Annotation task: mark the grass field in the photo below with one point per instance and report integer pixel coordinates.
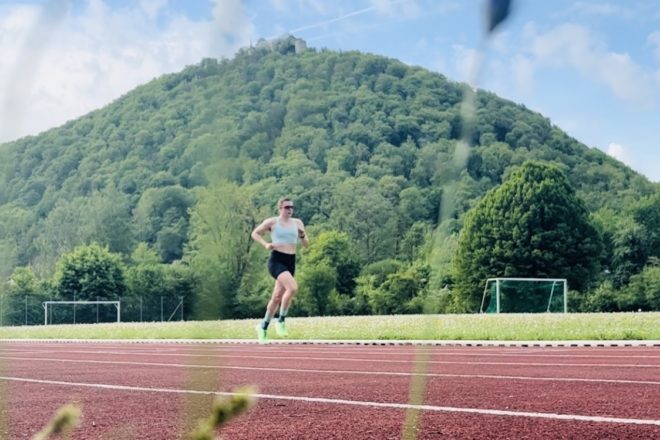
(528, 327)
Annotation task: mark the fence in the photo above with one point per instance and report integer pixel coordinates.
(17, 310)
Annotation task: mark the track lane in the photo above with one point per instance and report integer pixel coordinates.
(604, 399)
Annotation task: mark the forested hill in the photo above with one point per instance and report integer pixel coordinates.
(362, 143)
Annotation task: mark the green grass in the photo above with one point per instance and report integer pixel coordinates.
(528, 327)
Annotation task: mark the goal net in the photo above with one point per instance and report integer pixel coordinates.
(525, 295)
(81, 312)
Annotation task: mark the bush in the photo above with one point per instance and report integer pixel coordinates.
(643, 292)
(603, 299)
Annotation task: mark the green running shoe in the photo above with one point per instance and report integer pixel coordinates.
(261, 335)
(280, 327)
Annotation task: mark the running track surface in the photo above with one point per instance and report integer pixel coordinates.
(159, 391)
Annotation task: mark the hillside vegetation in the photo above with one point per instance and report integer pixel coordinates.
(166, 183)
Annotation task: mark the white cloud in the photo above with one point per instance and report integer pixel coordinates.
(575, 46)
(439, 65)
(232, 27)
(502, 41)
(289, 7)
(97, 54)
(279, 5)
(26, 35)
(523, 74)
(619, 152)
(602, 9)
(466, 63)
(654, 40)
(396, 8)
(152, 7)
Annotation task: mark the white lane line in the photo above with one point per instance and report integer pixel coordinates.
(406, 406)
(413, 351)
(422, 351)
(382, 350)
(377, 360)
(364, 342)
(221, 352)
(324, 371)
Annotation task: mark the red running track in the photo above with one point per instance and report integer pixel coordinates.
(159, 391)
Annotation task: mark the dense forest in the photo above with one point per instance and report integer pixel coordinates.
(156, 194)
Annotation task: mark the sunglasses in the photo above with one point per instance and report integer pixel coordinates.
(287, 207)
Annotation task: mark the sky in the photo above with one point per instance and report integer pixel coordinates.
(591, 66)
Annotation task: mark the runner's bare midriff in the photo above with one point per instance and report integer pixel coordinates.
(285, 248)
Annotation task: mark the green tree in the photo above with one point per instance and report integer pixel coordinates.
(389, 286)
(143, 254)
(23, 297)
(416, 242)
(15, 223)
(161, 217)
(61, 232)
(90, 272)
(108, 213)
(317, 282)
(23, 282)
(399, 288)
(602, 299)
(221, 247)
(335, 249)
(145, 285)
(329, 266)
(159, 292)
(643, 292)
(630, 251)
(369, 294)
(533, 225)
(361, 210)
(647, 213)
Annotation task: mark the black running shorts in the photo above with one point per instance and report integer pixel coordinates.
(280, 262)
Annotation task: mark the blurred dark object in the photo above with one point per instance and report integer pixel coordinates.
(497, 12)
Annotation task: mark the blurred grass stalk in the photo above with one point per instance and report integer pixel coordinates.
(416, 395)
(64, 420)
(4, 396)
(496, 12)
(224, 409)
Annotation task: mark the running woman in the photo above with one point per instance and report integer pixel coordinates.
(285, 232)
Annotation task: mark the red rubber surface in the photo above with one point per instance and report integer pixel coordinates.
(158, 391)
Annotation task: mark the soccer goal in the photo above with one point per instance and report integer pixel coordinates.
(525, 295)
(49, 305)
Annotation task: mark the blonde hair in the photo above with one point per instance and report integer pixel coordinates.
(282, 200)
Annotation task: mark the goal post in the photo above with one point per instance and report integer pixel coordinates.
(47, 304)
(525, 295)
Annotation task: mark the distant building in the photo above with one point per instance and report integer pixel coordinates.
(300, 45)
(264, 43)
(284, 44)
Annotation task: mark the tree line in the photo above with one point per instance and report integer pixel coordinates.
(532, 224)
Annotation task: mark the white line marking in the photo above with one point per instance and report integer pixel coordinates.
(406, 406)
(377, 360)
(381, 350)
(358, 372)
(360, 342)
(597, 352)
(205, 350)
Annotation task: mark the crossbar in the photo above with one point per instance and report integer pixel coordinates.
(45, 305)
